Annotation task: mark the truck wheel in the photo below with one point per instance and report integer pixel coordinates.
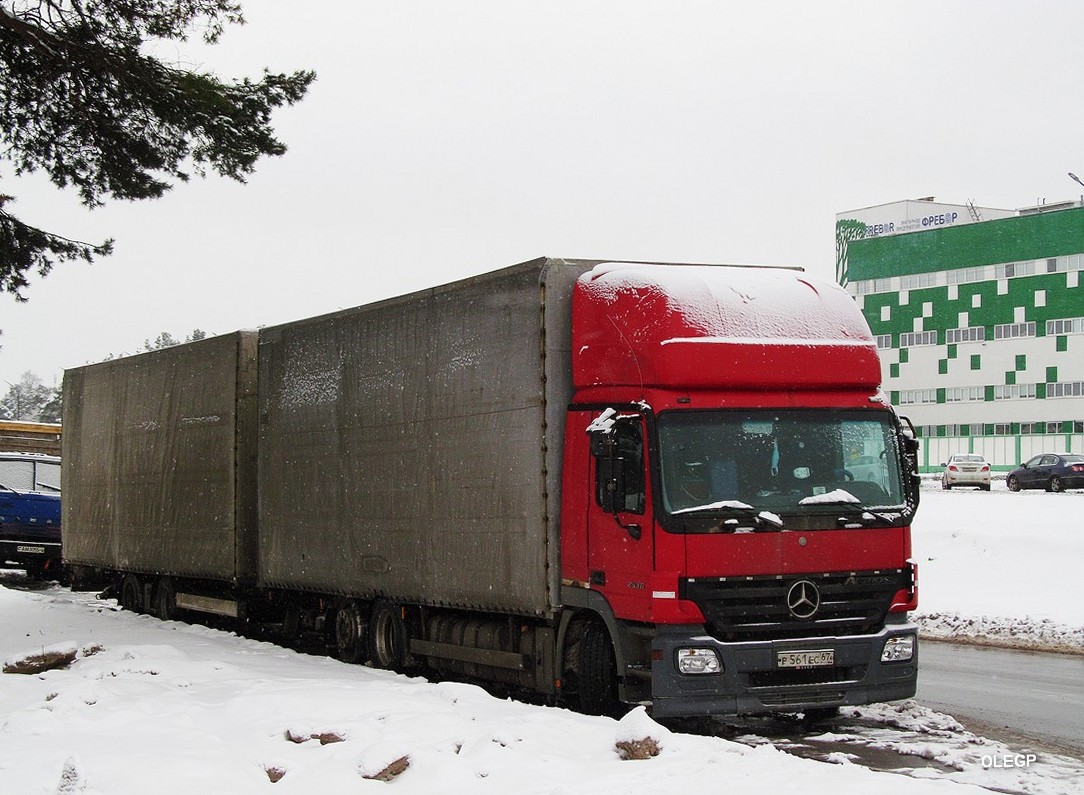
(387, 636)
(35, 571)
(597, 678)
(351, 638)
(165, 599)
(131, 594)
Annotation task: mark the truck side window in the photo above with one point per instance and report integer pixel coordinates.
(619, 471)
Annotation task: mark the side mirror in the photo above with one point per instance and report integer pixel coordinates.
(611, 475)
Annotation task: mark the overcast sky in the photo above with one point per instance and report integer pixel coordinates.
(444, 139)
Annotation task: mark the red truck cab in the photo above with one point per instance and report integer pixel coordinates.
(708, 508)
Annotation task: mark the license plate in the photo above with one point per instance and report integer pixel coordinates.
(33, 550)
(818, 658)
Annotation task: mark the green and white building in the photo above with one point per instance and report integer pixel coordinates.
(979, 316)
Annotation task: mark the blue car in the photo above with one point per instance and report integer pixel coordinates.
(30, 513)
(1050, 471)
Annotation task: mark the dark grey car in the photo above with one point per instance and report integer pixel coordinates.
(1050, 471)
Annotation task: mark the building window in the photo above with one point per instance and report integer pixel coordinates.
(1014, 391)
(912, 396)
(972, 334)
(1068, 325)
(1002, 428)
(870, 286)
(965, 275)
(960, 394)
(1008, 331)
(912, 339)
(884, 341)
(1011, 270)
(1032, 427)
(1065, 389)
(916, 281)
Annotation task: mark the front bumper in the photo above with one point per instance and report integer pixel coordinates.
(33, 553)
(751, 683)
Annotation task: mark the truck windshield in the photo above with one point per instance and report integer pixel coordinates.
(763, 465)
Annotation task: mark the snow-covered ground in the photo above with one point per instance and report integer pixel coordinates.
(1000, 567)
(165, 707)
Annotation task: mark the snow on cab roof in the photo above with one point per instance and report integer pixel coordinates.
(739, 303)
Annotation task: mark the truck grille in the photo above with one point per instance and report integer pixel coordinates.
(756, 608)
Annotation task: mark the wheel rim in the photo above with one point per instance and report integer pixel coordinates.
(387, 637)
(349, 632)
(1055, 484)
(1013, 484)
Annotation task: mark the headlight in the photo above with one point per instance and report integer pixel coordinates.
(698, 661)
(899, 649)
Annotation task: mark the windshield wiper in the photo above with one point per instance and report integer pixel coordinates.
(837, 497)
(760, 517)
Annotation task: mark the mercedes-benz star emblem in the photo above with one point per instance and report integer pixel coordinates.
(803, 599)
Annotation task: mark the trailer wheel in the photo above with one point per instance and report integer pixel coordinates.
(351, 638)
(131, 594)
(597, 678)
(165, 599)
(387, 636)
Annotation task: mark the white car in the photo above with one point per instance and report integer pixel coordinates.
(868, 468)
(966, 469)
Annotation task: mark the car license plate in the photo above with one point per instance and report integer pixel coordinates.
(34, 550)
(817, 658)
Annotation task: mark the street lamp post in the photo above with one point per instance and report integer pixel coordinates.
(1076, 179)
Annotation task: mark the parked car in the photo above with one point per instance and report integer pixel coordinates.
(1050, 471)
(869, 468)
(966, 469)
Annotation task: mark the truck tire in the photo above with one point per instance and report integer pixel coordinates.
(131, 594)
(351, 633)
(597, 676)
(165, 599)
(387, 636)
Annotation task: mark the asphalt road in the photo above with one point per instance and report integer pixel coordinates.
(1022, 696)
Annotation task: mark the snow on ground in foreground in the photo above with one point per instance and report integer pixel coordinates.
(164, 707)
(999, 566)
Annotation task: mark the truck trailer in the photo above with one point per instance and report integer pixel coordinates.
(601, 483)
